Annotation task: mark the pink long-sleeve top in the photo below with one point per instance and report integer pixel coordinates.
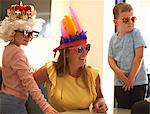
(17, 78)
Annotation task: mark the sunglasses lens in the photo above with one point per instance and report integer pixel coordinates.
(80, 49)
(125, 20)
(35, 34)
(88, 47)
(133, 19)
(25, 33)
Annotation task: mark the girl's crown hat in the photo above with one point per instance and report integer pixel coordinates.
(22, 17)
(72, 32)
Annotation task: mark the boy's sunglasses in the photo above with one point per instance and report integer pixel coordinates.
(81, 48)
(33, 34)
(126, 20)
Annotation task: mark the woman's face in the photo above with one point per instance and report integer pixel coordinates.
(77, 54)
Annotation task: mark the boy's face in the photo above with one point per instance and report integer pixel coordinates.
(125, 22)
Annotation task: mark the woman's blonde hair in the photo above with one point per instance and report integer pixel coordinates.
(59, 66)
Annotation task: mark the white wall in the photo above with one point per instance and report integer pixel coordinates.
(108, 76)
(58, 9)
(90, 13)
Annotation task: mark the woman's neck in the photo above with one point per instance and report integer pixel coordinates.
(74, 71)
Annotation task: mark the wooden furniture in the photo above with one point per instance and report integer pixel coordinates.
(114, 111)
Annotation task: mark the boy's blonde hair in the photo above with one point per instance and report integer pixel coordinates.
(121, 7)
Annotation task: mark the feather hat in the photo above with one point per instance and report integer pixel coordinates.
(71, 31)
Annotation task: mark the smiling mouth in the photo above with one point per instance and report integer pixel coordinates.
(26, 40)
(82, 58)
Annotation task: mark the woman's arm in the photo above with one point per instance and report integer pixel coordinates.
(99, 104)
(98, 88)
(41, 75)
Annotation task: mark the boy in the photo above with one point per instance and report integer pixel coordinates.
(125, 57)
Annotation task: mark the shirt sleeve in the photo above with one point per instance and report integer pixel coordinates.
(138, 39)
(21, 66)
(94, 73)
(52, 77)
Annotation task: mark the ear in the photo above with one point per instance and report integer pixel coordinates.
(31, 39)
(115, 21)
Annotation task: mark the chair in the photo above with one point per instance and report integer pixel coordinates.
(141, 107)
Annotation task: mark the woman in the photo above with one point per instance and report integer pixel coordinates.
(72, 85)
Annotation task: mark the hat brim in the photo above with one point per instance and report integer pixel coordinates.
(70, 44)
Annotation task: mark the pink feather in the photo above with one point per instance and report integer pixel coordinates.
(75, 18)
(63, 31)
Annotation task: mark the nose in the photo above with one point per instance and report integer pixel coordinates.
(85, 52)
(29, 37)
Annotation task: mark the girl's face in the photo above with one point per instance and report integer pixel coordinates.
(77, 55)
(125, 22)
(24, 37)
(21, 39)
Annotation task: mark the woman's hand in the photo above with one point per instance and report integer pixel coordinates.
(100, 105)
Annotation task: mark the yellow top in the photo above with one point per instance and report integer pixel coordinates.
(69, 93)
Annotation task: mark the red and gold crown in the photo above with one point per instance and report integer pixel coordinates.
(19, 17)
(21, 11)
